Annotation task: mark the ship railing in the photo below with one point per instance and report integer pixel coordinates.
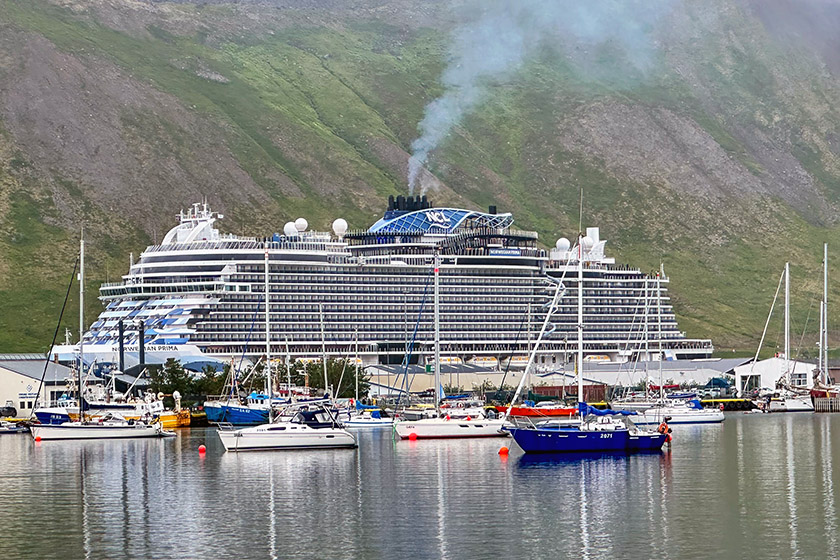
(310, 240)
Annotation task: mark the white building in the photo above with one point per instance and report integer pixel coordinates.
(20, 377)
(767, 373)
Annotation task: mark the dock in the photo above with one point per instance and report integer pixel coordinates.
(826, 404)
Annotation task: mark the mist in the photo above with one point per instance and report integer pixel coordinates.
(498, 36)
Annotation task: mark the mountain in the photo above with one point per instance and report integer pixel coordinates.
(718, 154)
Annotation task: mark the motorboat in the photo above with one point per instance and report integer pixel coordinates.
(299, 427)
(12, 428)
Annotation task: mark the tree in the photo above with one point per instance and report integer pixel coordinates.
(337, 371)
(172, 377)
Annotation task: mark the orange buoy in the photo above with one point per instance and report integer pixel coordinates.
(202, 449)
(504, 451)
(412, 436)
(38, 438)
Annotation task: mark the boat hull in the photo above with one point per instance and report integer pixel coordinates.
(235, 414)
(439, 428)
(539, 412)
(574, 440)
(266, 438)
(172, 419)
(792, 404)
(708, 416)
(73, 430)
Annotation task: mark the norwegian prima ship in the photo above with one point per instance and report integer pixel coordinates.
(199, 295)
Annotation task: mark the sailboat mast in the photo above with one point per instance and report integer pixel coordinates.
(787, 323)
(356, 363)
(659, 330)
(324, 349)
(437, 332)
(580, 321)
(81, 320)
(824, 342)
(289, 371)
(268, 385)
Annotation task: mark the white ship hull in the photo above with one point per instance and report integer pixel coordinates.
(440, 428)
(285, 436)
(76, 430)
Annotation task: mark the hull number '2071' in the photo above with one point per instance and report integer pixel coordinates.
(606, 436)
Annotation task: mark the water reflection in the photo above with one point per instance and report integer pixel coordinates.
(758, 485)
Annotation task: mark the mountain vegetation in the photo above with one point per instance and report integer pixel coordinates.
(720, 158)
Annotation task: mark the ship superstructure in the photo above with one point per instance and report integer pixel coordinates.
(199, 295)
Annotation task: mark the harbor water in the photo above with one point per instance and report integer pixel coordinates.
(756, 486)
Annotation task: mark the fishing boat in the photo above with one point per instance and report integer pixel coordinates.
(444, 426)
(596, 430)
(301, 427)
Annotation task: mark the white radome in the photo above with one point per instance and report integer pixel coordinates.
(301, 224)
(340, 227)
(289, 229)
(588, 242)
(563, 244)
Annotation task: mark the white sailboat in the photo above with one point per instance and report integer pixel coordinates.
(446, 426)
(307, 427)
(300, 426)
(111, 426)
(788, 398)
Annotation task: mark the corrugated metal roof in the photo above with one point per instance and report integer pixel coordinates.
(32, 365)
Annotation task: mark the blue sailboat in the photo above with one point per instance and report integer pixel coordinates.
(599, 431)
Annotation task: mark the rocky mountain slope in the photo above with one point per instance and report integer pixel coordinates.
(720, 158)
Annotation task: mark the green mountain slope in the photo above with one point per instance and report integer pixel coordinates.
(722, 161)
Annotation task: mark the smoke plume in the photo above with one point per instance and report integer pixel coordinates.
(498, 37)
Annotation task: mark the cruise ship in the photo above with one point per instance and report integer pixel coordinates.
(199, 296)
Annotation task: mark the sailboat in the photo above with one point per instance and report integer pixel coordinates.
(684, 411)
(446, 426)
(596, 430)
(307, 425)
(784, 397)
(823, 387)
(365, 416)
(110, 426)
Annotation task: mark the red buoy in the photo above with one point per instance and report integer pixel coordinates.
(202, 449)
(38, 438)
(504, 451)
(412, 436)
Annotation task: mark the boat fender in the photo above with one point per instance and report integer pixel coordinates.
(668, 438)
(447, 417)
(721, 407)
(468, 418)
